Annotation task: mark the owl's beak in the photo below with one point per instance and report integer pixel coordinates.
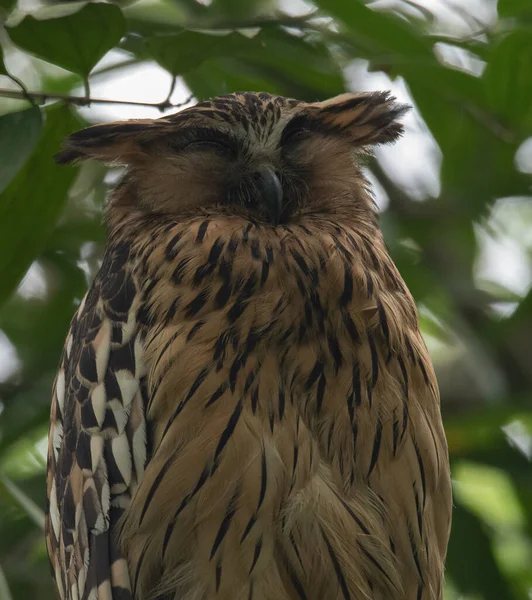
(271, 193)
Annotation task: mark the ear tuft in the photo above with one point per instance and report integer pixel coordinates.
(66, 157)
(118, 142)
(369, 118)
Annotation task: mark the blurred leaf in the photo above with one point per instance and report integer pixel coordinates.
(16, 526)
(382, 35)
(514, 8)
(182, 52)
(221, 76)
(462, 123)
(470, 560)
(19, 133)
(75, 42)
(3, 70)
(6, 6)
(295, 59)
(273, 51)
(26, 503)
(5, 593)
(507, 78)
(241, 8)
(273, 61)
(34, 200)
(480, 429)
(25, 410)
(24, 320)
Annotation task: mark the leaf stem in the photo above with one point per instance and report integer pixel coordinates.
(87, 88)
(23, 89)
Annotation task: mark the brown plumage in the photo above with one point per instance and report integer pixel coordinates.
(245, 408)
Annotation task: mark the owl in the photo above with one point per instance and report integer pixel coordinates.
(245, 408)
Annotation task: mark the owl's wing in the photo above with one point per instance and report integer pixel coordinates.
(97, 442)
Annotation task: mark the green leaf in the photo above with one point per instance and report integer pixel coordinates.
(32, 203)
(3, 70)
(6, 6)
(26, 409)
(470, 559)
(514, 8)
(75, 42)
(19, 133)
(26, 319)
(456, 111)
(379, 35)
(274, 61)
(241, 8)
(5, 593)
(186, 50)
(296, 60)
(225, 75)
(24, 501)
(507, 78)
(273, 54)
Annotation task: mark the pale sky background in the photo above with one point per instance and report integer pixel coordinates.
(413, 163)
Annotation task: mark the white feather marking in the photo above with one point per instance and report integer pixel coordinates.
(99, 525)
(115, 405)
(128, 385)
(139, 448)
(121, 501)
(68, 346)
(77, 518)
(122, 456)
(96, 451)
(93, 594)
(59, 581)
(140, 365)
(102, 346)
(82, 576)
(99, 402)
(74, 592)
(54, 511)
(120, 574)
(106, 497)
(104, 591)
(57, 438)
(82, 305)
(60, 389)
(117, 488)
(128, 329)
(121, 418)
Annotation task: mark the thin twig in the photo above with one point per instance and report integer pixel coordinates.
(42, 97)
(23, 89)
(171, 90)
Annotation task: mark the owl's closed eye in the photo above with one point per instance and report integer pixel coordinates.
(294, 156)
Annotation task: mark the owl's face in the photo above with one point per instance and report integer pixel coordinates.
(264, 157)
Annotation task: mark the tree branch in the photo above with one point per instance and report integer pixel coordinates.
(42, 97)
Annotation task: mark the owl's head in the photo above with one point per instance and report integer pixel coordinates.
(260, 156)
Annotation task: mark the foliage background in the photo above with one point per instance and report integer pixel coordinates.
(454, 195)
